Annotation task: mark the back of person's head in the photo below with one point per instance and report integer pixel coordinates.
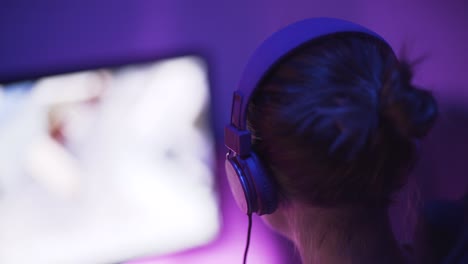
(336, 121)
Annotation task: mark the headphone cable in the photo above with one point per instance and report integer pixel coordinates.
(248, 238)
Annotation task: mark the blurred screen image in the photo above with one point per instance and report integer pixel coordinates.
(107, 165)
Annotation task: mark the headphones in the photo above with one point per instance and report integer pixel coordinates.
(253, 190)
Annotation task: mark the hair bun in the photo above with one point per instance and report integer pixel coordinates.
(411, 110)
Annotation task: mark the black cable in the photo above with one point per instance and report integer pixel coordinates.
(248, 238)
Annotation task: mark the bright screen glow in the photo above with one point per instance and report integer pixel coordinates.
(107, 165)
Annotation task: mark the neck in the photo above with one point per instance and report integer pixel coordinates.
(345, 235)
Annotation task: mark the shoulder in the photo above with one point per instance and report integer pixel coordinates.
(442, 233)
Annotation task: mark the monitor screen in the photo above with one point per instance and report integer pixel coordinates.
(106, 165)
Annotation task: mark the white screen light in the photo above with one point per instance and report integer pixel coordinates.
(104, 166)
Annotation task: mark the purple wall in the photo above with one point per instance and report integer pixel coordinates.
(48, 36)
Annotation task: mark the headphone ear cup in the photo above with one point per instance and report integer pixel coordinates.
(251, 187)
(239, 184)
(265, 189)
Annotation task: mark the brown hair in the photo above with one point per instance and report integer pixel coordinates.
(335, 122)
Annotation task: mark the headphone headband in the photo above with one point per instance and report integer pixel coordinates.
(272, 50)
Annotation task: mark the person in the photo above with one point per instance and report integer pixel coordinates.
(336, 125)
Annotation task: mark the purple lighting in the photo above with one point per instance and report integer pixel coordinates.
(49, 37)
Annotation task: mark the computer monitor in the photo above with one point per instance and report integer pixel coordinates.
(107, 164)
